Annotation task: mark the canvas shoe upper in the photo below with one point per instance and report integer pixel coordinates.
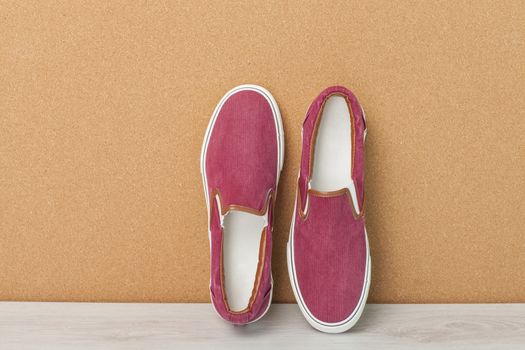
(328, 255)
(241, 161)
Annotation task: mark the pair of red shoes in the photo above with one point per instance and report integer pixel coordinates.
(328, 254)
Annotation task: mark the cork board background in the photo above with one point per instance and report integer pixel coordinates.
(103, 107)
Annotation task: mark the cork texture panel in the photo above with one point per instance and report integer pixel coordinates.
(103, 108)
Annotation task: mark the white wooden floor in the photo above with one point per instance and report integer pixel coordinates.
(196, 326)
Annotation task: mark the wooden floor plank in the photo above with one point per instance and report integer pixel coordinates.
(196, 326)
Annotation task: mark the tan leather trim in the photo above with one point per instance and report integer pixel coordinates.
(215, 192)
(304, 215)
(328, 193)
(262, 251)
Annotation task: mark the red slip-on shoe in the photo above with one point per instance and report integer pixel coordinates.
(242, 157)
(328, 255)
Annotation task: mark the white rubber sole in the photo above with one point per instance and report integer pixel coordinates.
(280, 151)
